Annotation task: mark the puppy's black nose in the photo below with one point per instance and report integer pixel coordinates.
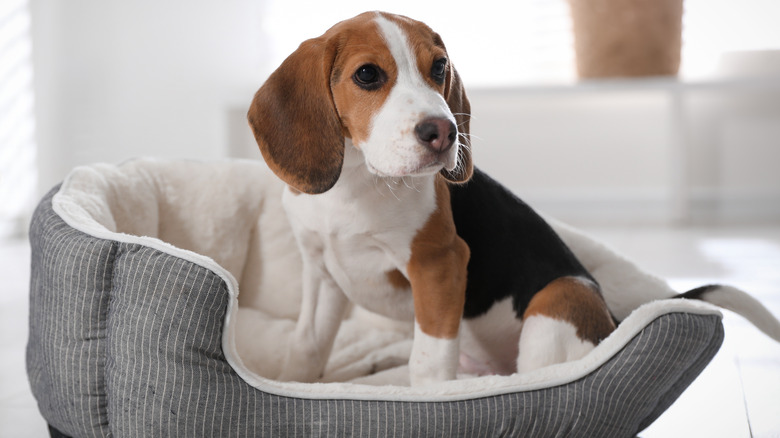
(436, 134)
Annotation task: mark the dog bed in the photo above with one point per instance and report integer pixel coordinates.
(136, 328)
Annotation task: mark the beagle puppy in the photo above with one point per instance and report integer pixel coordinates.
(369, 127)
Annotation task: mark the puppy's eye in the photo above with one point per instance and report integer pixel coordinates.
(439, 70)
(369, 77)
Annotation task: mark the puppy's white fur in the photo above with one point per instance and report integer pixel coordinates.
(433, 359)
(546, 341)
(349, 237)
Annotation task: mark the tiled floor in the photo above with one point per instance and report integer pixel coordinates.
(738, 395)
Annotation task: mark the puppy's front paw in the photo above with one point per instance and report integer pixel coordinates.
(433, 360)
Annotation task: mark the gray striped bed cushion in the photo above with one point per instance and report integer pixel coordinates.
(125, 340)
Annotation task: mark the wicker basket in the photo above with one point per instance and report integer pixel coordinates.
(618, 38)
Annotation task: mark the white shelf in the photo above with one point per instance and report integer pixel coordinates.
(675, 90)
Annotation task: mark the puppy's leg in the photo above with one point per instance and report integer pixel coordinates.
(322, 310)
(434, 359)
(438, 279)
(563, 322)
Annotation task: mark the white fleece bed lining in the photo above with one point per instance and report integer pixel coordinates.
(628, 290)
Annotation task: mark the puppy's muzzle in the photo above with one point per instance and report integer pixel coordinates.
(436, 134)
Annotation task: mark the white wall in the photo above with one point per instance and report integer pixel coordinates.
(120, 79)
(18, 176)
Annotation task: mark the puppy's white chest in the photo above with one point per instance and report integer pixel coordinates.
(360, 233)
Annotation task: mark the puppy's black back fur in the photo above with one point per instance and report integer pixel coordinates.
(514, 252)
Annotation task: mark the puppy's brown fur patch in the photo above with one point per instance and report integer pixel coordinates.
(437, 270)
(577, 301)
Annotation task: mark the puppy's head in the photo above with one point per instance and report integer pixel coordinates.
(384, 81)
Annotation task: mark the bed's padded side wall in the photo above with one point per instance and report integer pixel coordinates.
(696, 343)
(127, 340)
(69, 298)
(166, 373)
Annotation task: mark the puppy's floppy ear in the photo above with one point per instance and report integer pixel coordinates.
(295, 122)
(455, 95)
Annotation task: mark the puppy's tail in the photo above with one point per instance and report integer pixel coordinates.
(739, 302)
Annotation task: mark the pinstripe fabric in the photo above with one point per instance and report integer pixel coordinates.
(125, 340)
(69, 290)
